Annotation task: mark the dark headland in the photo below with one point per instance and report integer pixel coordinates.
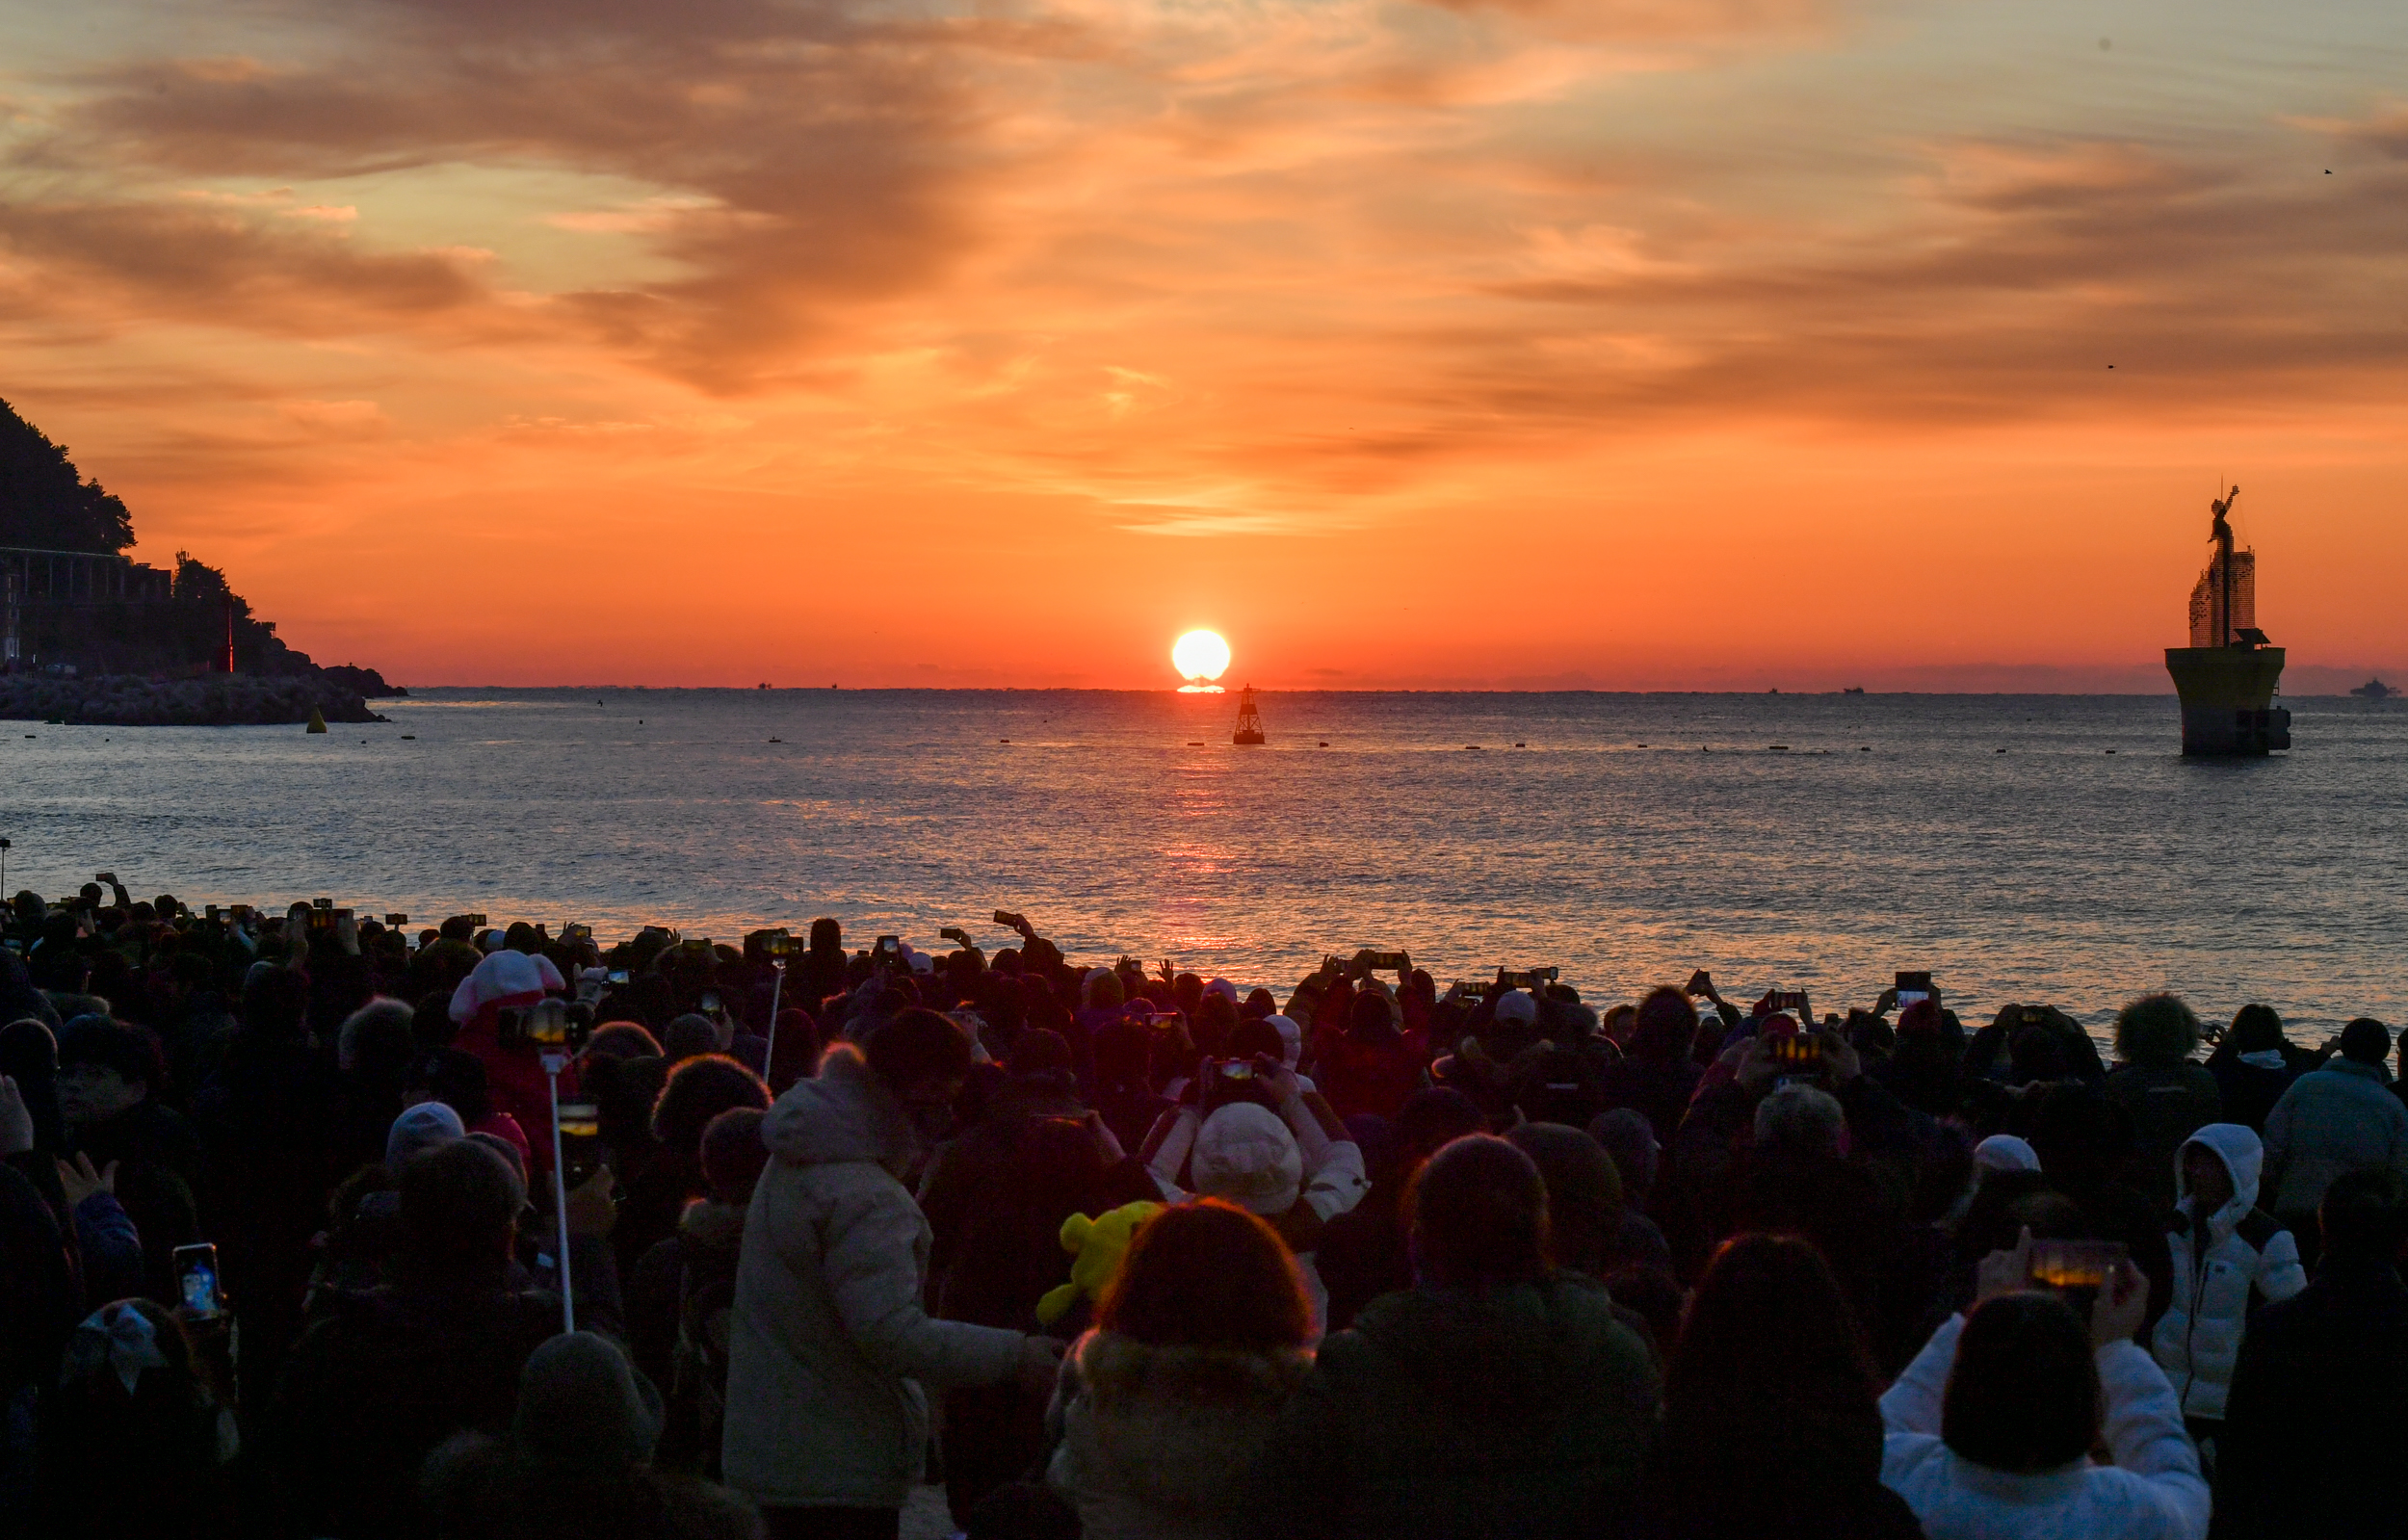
(88, 635)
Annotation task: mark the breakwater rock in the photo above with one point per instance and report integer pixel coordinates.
(216, 700)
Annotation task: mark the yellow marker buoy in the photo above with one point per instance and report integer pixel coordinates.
(317, 722)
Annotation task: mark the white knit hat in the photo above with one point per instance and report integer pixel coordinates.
(1244, 1154)
(1291, 1038)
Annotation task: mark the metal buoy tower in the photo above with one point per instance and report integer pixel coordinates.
(1249, 720)
(2228, 675)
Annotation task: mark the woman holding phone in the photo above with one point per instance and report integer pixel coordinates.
(1990, 1427)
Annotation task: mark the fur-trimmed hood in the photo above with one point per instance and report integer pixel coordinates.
(1170, 1428)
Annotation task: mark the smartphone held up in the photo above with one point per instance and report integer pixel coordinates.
(196, 1280)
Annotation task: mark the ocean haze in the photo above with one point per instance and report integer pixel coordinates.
(1883, 832)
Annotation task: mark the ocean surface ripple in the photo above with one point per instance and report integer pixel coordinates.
(1815, 841)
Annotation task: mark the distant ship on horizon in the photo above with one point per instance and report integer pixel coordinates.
(2374, 690)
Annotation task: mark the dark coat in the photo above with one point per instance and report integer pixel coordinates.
(2311, 1425)
(1742, 1470)
(688, 1281)
(478, 1489)
(1522, 1412)
(386, 1375)
(268, 1118)
(159, 1170)
(1362, 1254)
(2251, 1090)
(2169, 1103)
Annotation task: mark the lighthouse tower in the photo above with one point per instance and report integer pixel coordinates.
(2228, 675)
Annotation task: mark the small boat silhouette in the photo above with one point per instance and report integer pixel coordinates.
(2374, 690)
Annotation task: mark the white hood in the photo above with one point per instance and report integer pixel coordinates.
(844, 1114)
(2242, 1155)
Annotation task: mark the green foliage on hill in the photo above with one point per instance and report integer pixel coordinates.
(45, 502)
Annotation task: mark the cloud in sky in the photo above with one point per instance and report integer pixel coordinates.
(1308, 284)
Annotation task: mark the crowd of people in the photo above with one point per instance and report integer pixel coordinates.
(317, 1226)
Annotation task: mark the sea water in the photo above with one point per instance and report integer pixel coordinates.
(2044, 849)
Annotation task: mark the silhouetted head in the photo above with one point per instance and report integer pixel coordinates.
(2023, 1395)
(459, 1206)
(2256, 1029)
(733, 1155)
(2156, 1029)
(1584, 1191)
(698, 1091)
(1371, 1019)
(622, 1039)
(1666, 1026)
(1768, 1325)
(275, 1003)
(454, 1076)
(377, 1043)
(2364, 1218)
(2366, 1040)
(1214, 1019)
(2079, 1134)
(1124, 1055)
(1207, 1274)
(1040, 1051)
(1801, 1122)
(689, 1036)
(923, 1058)
(1629, 1139)
(1479, 1211)
(1432, 1118)
(1253, 1036)
(105, 1068)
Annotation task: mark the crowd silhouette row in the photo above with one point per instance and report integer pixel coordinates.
(297, 1208)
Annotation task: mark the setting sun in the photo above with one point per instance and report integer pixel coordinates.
(1200, 657)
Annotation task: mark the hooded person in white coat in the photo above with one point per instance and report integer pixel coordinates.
(1990, 1428)
(829, 1345)
(2230, 1257)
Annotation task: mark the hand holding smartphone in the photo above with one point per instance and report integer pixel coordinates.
(1913, 988)
(196, 1280)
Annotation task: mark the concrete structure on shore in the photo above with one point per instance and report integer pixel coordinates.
(2228, 675)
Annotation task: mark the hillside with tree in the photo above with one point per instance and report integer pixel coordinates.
(113, 621)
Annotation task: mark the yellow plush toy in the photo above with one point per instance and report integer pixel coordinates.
(1096, 1247)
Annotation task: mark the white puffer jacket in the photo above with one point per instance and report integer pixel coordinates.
(2152, 1492)
(2238, 1258)
(829, 1345)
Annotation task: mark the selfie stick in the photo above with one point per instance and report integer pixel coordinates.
(777, 988)
(553, 1063)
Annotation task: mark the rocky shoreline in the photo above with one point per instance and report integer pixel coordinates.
(216, 700)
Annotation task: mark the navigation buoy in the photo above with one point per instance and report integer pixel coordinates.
(1249, 720)
(317, 722)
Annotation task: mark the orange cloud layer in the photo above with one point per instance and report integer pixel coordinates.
(1637, 343)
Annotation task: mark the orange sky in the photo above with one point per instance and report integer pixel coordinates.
(1632, 344)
